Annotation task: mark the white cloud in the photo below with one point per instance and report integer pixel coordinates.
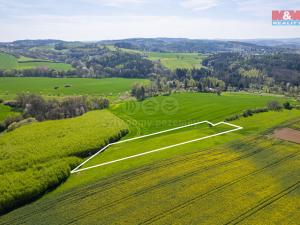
(114, 3)
(91, 28)
(198, 5)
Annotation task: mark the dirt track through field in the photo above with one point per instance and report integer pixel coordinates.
(288, 134)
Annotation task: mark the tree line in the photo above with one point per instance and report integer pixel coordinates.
(276, 73)
(271, 106)
(273, 73)
(35, 106)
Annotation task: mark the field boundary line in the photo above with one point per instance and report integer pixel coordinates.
(77, 169)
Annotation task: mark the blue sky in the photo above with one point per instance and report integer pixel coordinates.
(89, 20)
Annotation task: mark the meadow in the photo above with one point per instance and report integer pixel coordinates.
(177, 60)
(193, 108)
(245, 177)
(157, 141)
(10, 86)
(37, 157)
(171, 60)
(164, 182)
(10, 62)
(163, 112)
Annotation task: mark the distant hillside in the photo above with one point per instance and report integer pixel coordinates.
(182, 45)
(188, 45)
(283, 43)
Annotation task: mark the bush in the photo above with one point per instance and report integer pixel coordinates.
(12, 104)
(8, 121)
(232, 118)
(247, 113)
(260, 110)
(274, 106)
(2, 127)
(67, 85)
(287, 106)
(98, 103)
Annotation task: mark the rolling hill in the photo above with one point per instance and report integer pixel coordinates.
(10, 62)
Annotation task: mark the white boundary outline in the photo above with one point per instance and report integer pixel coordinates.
(77, 169)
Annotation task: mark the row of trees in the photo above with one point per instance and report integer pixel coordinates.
(271, 106)
(35, 107)
(41, 109)
(38, 72)
(164, 86)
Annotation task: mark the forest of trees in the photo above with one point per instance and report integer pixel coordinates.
(187, 45)
(195, 80)
(277, 73)
(249, 69)
(89, 60)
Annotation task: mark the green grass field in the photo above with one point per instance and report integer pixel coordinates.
(171, 60)
(177, 60)
(157, 141)
(5, 112)
(242, 176)
(193, 108)
(161, 112)
(10, 86)
(9, 62)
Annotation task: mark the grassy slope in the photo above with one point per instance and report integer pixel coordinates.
(8, 62)
(177, 60)
(244, 176)
(80, 86)
(193, 108)
(155, 142)
(32, 151)
(5, 112)
(171, 60)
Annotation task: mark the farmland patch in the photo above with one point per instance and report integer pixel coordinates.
(10, 62)
(155, 142)
(288, 134)
(10, 86)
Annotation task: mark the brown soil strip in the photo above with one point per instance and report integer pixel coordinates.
(288, 134)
